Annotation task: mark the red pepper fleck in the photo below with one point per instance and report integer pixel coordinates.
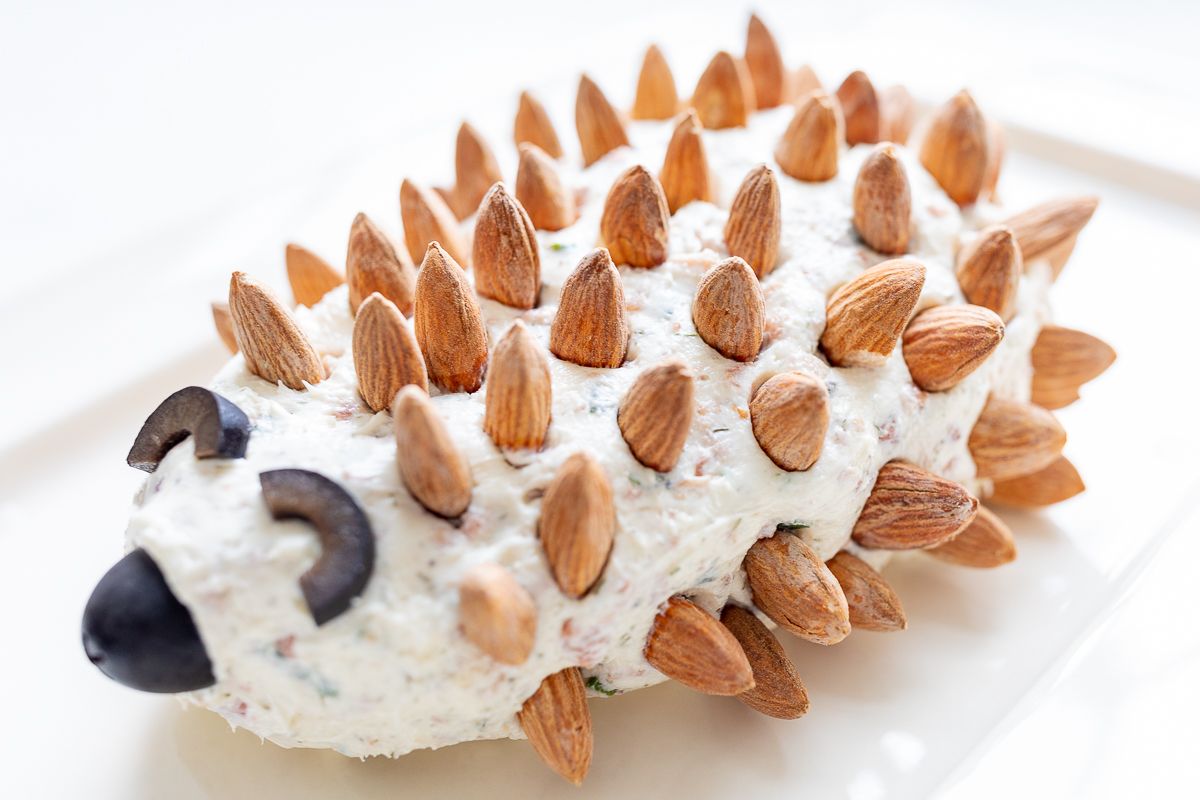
(283, 647)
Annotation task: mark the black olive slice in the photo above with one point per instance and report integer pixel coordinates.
(220, 428)
(347, 543)
(139, 634)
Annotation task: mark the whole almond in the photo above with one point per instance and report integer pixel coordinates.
(808, 150)
(729, 312)
(945, 344)
(989, 271)
(897, 112)
(873, 603)
(864, 318)
(1039, 230)
(1052, 484)
(432, 468)
(558, 724)
(860, 108)
(910, 508)
(224, 325)
(724, 95)
(987, 542)
(504, 252)
(475, 169)
(1063, 360)
(778, 691)
(691, 646)
(599, 127)
(685, 176)
(636, 220)
(753, 228)
(955, 149)
(790, 416)
(803, 82)
(656, 97)
(589, 327)
(577, 524)
(274, 347)
(517, 408)
(386, 357)
(533, 126)
(541, 192)
(374, 265)
(496, 613)
(765, 64)
(882, 201)
(310, 275)
(656, 414)
(448, 324)
(796, 590)
(1011, 439)
(427, 219)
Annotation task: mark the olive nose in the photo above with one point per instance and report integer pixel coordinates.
(138, 633)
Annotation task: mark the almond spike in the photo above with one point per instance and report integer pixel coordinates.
(1049, 485)
(496, 613)
(729, 312)
(790, 415)
(803, 82)
(533, 126)
(685, 175)
(882, 201)
(599, 127)
(559, 726)
(910, 508)
(589, 327)
(432, 468)
(386, 357)
(540, 190)
(374, 265)
(945, 344)
(989, 271)
(955, 149)
(864, 318)
(224, 324)
(1044, 227)
(753, 228)
(778, 691)
(995, 159)
(1063, 360)
(897, 112)
(796, 590)
(724, 95)
(636, 219)
(987, 542)
(577, 524)
(1011, 439)
(310, 275)
(808, 150)
(475, 169)
(504, 253)
(273, 345)
(860, 108)
(765, 64)
(656, 97)
(656, 414)
(427, 219)
(689, 645)
(448, 324)
(517, 408)
(873, 603)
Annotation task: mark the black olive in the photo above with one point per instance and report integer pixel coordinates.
(220, 428)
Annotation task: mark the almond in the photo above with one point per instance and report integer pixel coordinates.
(475, 169)
(533, 126)
(808, 150)
(724, 95)
(945, 344)
(910, 508)
(691, 646)
(504, 252)
(995, 158)
(873, 603)
(729, 312)
(864, 318)
(540, 190)
(1011, 439)
(803, 82)
(589, 327)
(796, 590)
(1039, 230)
(577, 524)
(778, 691)
(431, 467)
(765, 63)
(448, 324)
(656, 97)
(268, 337)
(882, 201)
(599, 127)
(1052, 484)
(989, 271)
(310, 275)
(860, 108)
(987, 542)
(955, 149)
(1063, 360)
(685, 175)
(753, 228)
(559, 726)
(517, 408)
(374, 265)
(386, 357)
(897, 112)
(790, 415)
(636, 219)
(224, 324)
(656, 414)
(497, 614)
(427, 219)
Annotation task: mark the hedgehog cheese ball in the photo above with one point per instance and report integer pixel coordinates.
(600, 427)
